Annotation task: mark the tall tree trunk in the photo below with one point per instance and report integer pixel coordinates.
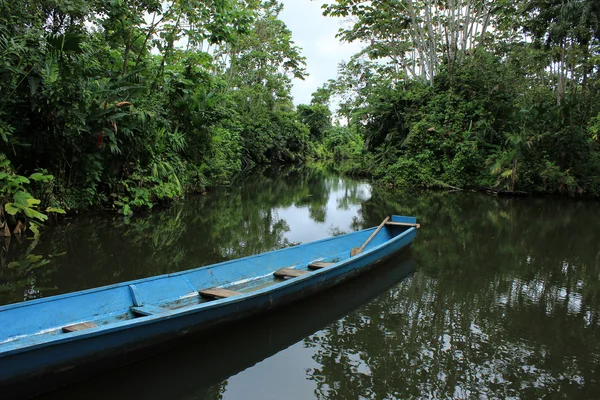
(561, 74)
(587, 69)
(486, 21)
(148, 36)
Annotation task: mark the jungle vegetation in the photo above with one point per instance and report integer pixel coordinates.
(473, 93)
(125, 104)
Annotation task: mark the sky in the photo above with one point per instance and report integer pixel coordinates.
(315, 34)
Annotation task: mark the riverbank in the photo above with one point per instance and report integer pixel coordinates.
(391, 176)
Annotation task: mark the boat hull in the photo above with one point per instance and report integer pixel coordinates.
(59, 358)
(240, 346)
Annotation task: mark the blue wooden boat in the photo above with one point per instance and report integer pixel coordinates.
(181, 373)
(46, 336)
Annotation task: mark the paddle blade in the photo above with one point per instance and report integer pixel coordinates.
(355, 251)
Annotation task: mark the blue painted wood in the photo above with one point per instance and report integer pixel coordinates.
(149, 309)
(32, 342)
(404, 220)
(134, 296)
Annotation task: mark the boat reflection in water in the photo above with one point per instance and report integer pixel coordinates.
(195, 370)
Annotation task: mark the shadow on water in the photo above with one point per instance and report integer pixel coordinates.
(505, 301)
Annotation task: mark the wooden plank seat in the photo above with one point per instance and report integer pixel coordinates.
(218, 293)
(79, 327)
(148, 309)
(319, 264)
(289, 273)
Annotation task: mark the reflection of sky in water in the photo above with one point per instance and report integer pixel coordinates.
(343, 205)
(504, 302)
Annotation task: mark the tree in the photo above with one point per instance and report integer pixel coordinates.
(441, 101)
(317, 117)
(416, 36)
(132, 103)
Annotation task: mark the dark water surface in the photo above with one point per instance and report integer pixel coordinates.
(497, 298)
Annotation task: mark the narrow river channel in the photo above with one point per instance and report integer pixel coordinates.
(498, 298)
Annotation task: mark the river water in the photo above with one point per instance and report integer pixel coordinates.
(498, 298)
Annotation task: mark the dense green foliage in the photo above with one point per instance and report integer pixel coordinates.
(125, 104)
(129, 103)
(475, 94)
(335, 141)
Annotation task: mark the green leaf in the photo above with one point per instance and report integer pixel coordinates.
(33, 202)
(31, 213)
(33, 258)
(21, 198)
(35, 229)
(38, 176)
(126, 210)
(11, 209)
(40, 264)
(55, 210)
(20, 179)
(4, 163)
(3, 175)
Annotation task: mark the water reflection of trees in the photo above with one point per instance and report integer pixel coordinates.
(230, 222)
(17, 279)
(505, 303)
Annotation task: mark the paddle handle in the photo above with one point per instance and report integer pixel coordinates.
(373, 234)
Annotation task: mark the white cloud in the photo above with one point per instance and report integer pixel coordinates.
(316, 35)
(332, 48)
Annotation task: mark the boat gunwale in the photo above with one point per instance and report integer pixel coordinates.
(149, 319)
(29, 303)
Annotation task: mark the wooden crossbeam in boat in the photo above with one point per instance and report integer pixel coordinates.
(148, 309)
(289, 273)
(403, 224)
(319, 265)
(79, 327)
(218, 293)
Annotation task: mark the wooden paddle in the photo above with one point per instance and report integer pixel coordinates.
(358, 250)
